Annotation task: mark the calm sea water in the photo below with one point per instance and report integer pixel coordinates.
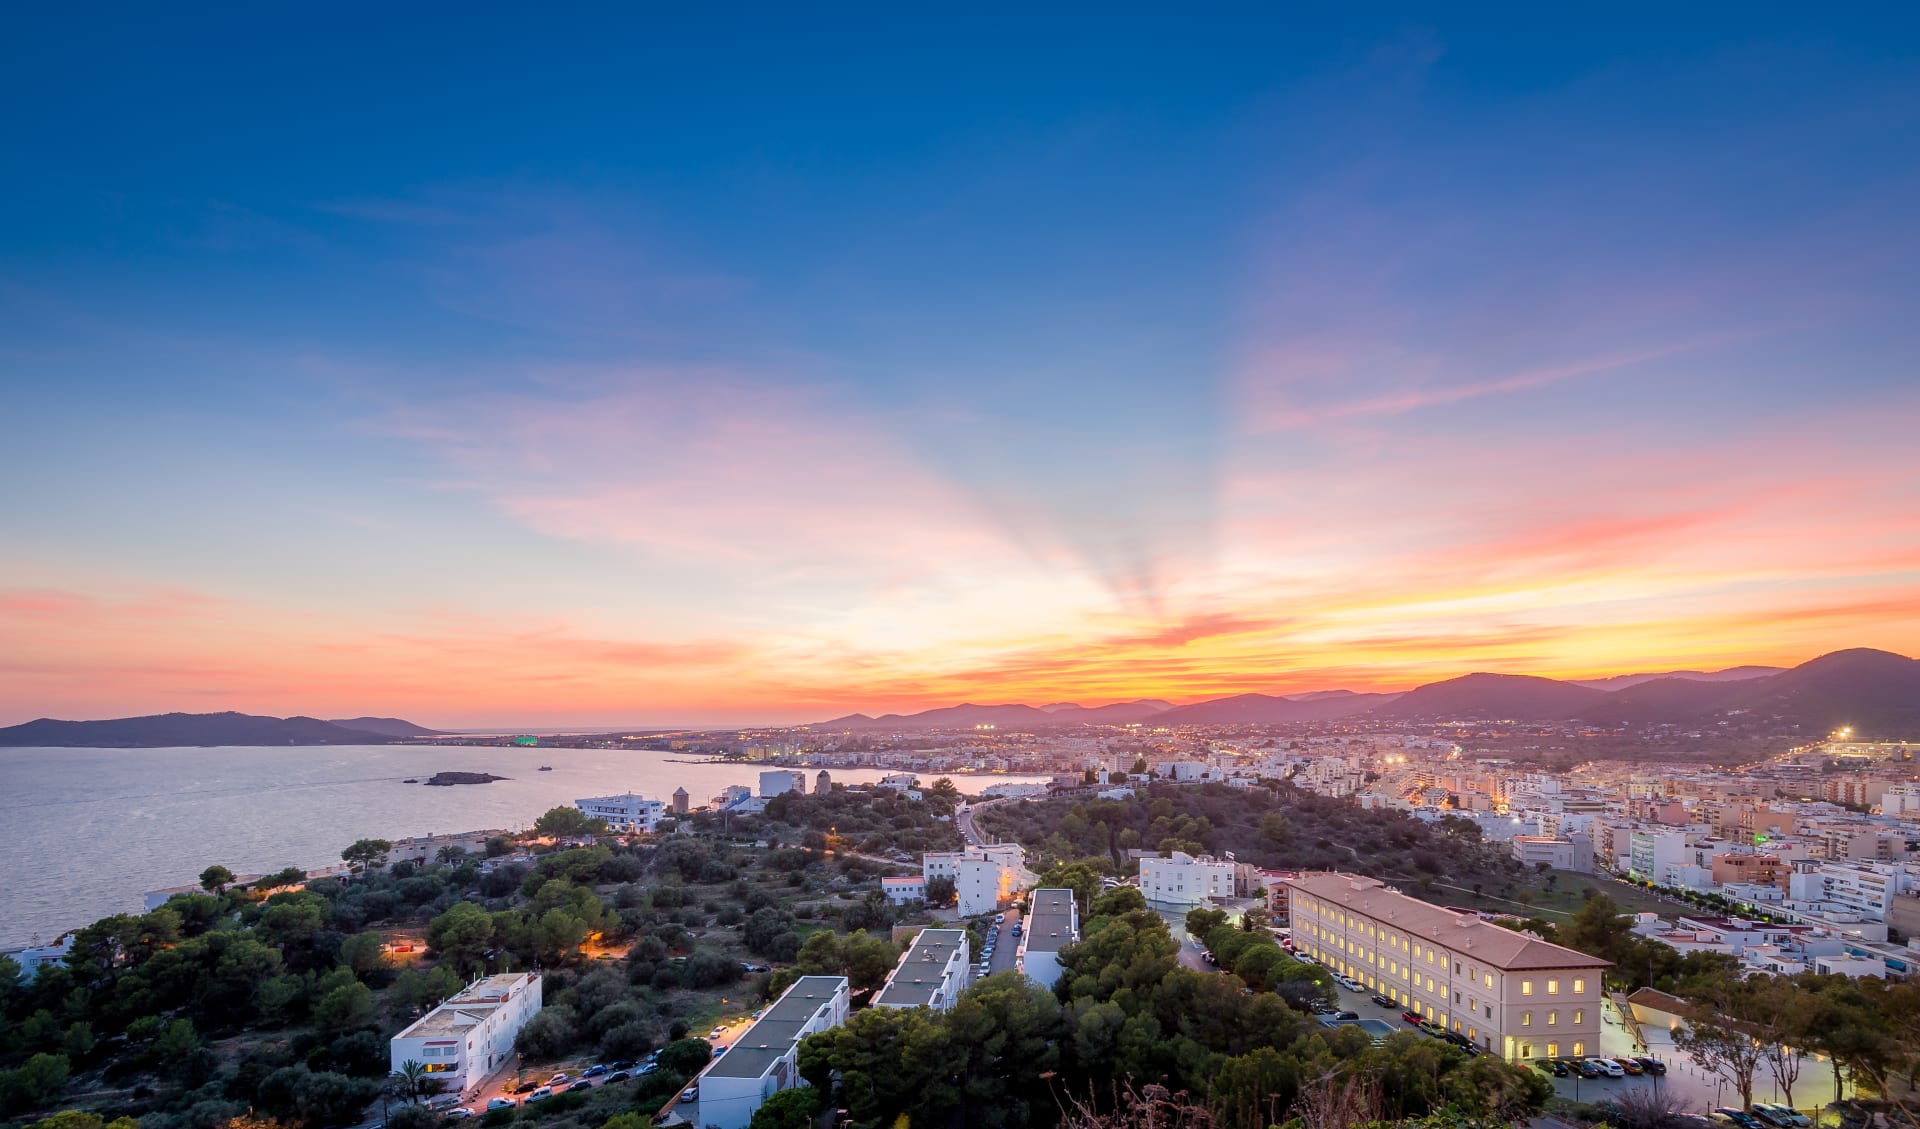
(86, 832)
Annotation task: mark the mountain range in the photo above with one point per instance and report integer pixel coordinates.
(169, 730)
(1875, 692)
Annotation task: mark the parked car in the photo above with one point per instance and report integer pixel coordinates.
(1346, 1015)
(458, 1113)
(500, 1103)
(1432, 1028)
(563, 1076)
(527, 1087)
(540, 1094)
(1559, 1068)
(1653, 1066)
(620, 1076)
(1741, 1118)
(1631, 1066)
(1782, 1114)
(623, 1064)
(576, 1084)
(716, 1033)
(718, 1051)
(443, 1101)
(1410, 1017)
(1608, 1067)
(1587, 1068)
(594, 1071)
(691, 1093)
(1383, 1001)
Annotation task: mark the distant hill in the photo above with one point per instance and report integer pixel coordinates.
(1266, 709)
(186, 729)
(387, 726)
(1731, 674)
(968, 715)
(1520, 697)
(1875, 692)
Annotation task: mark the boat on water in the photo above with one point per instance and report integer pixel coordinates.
(546, 768)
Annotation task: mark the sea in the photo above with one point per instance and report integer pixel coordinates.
(85, 833)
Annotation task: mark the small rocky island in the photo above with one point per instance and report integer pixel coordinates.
(446, 779)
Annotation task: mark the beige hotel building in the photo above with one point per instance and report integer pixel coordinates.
(1510, 993)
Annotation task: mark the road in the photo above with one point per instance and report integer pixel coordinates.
(963, 820)
(1006, 948)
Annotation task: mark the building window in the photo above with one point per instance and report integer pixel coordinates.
(1489, 979)
(1553, 1050)
(1553, 1018)
(1526, 1019)
(1579, 1017)
(1553, 987)
(1526, 987)
(1526, 1050)
(1579, 1049)
(1579, 986)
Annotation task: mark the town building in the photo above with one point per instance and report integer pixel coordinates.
(766, 1058)
(823, 783)
(1559, 854)
(932, 973)
(985, 878)
(1051, 924)
(682, 802)
(904, 890)
(626, 814)
(778, 781)
(1182, 880)
(1509, 993)
(471, 1034)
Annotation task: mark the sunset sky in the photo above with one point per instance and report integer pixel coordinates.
(416, 360)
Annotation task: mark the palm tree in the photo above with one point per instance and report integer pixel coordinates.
(410, 1077)
(450, 854)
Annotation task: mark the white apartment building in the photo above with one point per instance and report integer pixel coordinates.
(1183, 880)
(1654, 854)
(932, 973)
(986, 878)
(1560, 854)
(471, 1034)
(1901, 800)
(1510, 993)
(625, 814)
(1052, 923)
(766, 1058)
(904, 890)
(776, 781)
(1859, 888)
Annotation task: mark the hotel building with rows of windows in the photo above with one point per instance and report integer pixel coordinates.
(1510, 993)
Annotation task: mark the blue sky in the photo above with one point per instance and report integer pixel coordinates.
(744, 364)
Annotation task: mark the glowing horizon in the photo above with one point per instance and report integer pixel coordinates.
(1279, 360)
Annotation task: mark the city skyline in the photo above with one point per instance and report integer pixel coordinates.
(570, 379)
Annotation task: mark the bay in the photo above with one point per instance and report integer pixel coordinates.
(87, 832)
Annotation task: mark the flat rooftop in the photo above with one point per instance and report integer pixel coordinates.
(775, 1033)
(922, 970)
(1049, 924)
(1451, 929)
(469, 1006)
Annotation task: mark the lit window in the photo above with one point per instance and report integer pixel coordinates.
(1553, 1018)
(1526, 987)
(1579, 986)
(1526, 1019)
(1578, 1018)
(1489, 979)
(1579, 1049)
(1553, 987)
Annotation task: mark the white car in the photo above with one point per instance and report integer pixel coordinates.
(500, 1103)
(1609, 1067)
